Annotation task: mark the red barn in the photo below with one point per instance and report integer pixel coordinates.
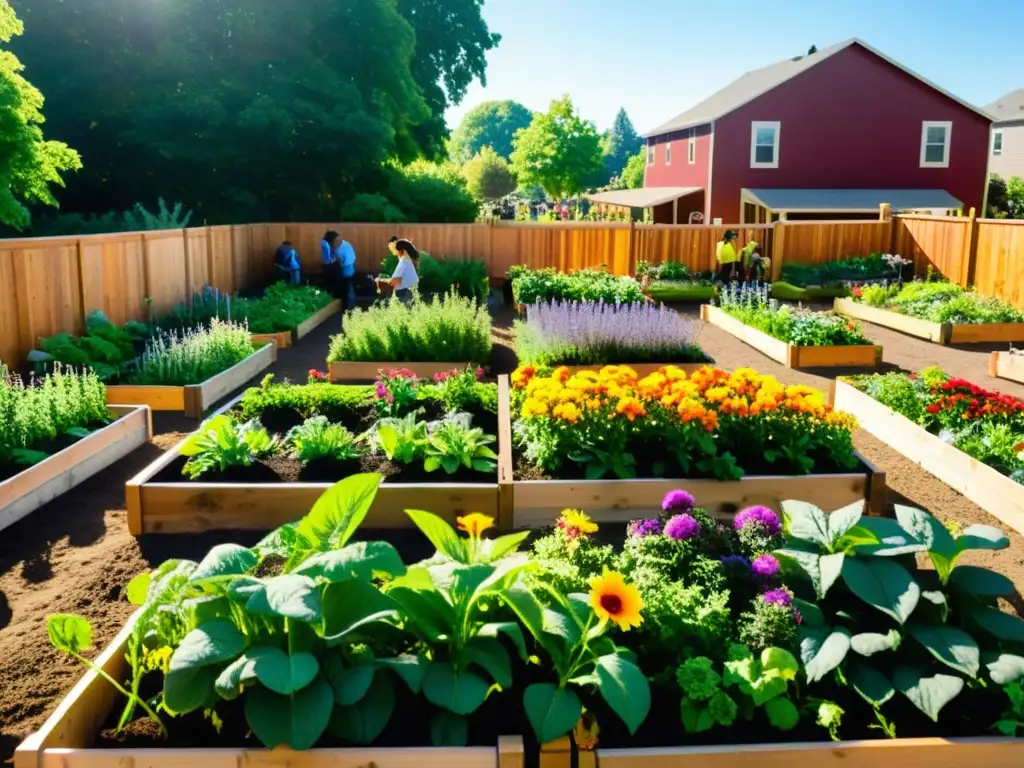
(829, 135)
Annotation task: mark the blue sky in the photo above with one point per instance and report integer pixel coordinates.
(656, 58)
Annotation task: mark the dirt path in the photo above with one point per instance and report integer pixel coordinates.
(75, 554)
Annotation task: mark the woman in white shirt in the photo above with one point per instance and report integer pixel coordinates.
(404, 278)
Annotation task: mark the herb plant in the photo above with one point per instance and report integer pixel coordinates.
(106, 349)
(454, 444)
(193, 357)
(531, 286)
(282, 307)
(468, 277)
(221, 443)
(939, 302)
(317, 439)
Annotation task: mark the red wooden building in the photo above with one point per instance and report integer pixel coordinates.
(829, 135)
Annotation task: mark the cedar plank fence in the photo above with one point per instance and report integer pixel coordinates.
(49, 285)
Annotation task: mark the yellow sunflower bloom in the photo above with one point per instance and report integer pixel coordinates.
(475, 523)
(574, 518)
(614, 600)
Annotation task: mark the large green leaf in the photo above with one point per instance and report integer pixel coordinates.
(893, 540)
(929, 694)
(458, 692)
(440, 534)
(289, 596)
(624, 687)
(411, 669)
(362, 560)
(285, 673)
(1006, 668)
(224, 560)
(822, 650)
(871, 684)
(363, 722)
(241, 671)
(830, 567)
(138, 588)
(509, 629)
(884, 584)
(186, 690)
(806, 563)
(558, 623)
(995, 622)
(950, 645)
(810, 612)
(942, 548)
(210, 643)
(530, 612)
(782, 713)
(489, 654)
(552, 711)
(448, 729)
(806, 521)
(980, 582)
(68, 633)
(779, 662)
(495, 549)
(338, 512)
(841, 521)
(280, 542)
(870, 643)
(351, 606)
(981, 537)
(296, 721)
(349, 683)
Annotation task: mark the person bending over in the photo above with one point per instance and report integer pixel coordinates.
(405, 277)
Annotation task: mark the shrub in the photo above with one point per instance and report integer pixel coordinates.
(282, 307)
(193, 357)
(939, 302)
(530, 286)
(449, 328)
(469, 277)
(104, 348)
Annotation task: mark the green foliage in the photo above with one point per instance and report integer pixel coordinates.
(940, 302)
(783, 291)
(632, 176)
(193, 357)
(768, 624)
(559, 150)
(449, 328)
(282, 307)
(467, 277)
(568, 563)
(104, 348)
(427, 192)
(136, 219)
(455, 444)
(221, 443)
(530, 286)
(492, 124)
(63, 404)
(31, 164)
(621, 145)
(1005, 198)
(371, 208)
(317, 439)
(488, 176)
(854, 269)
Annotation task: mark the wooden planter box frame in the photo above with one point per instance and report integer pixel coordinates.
(354, 372)
(940, 333)
(1006, 365)
(642, 369)
(32, 488)
(286, 339)
(185, 507)
(63, 741)
(789, 355)
(997, 494)
(195, 399)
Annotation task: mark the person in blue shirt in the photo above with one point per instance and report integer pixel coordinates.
(331, 263)
(286, 262)
(346, 256)
(405, 277)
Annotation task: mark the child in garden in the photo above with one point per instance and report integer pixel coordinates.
(286, 261)
(405, 277)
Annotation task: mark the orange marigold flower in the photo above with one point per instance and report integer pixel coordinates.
(716, 394)
(631, 408)
(567, 412)
(521, 376)
(561, 374)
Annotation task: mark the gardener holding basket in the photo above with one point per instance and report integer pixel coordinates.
(404, 278)
(728, 258)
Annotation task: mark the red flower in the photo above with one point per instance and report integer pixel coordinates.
(933, 408)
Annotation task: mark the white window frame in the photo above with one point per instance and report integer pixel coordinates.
(650, 154)
(948, 126)
(691, 149)
(668, 153)
(997, 135)
(756, 125)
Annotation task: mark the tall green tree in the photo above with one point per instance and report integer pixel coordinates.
(632, 176)
(29, 164)
(491, 124)
(621, 143)
(558, 150)
(488, 176)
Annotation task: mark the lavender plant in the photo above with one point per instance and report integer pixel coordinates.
(588, 333)
(34, 413)
(190, 358)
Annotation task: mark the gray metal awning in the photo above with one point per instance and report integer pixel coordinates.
(851, 200)
(647, 197)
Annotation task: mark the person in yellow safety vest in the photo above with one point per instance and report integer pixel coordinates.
(728, 258)
(755, 264)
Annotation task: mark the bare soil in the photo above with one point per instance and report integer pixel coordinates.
(75, 554)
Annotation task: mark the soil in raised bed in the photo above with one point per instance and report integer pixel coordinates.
(49, 447)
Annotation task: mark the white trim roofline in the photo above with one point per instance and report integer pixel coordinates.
(819, 57)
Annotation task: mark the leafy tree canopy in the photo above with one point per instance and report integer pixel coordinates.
(558, 150)
(632, 176)
(247, 109)
(491, 124)
(621, 143)
(422, 191)
(488, 176)
(29, 164)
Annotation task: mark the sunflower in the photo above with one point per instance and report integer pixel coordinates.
(614, 600)
(573, 518)
(475, 524)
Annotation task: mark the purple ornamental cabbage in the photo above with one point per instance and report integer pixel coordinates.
(678, 501)
(682, 527)
(762, 516)
(765, 566)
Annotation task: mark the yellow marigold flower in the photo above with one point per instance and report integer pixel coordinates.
(522, 375)
(574, 518)
(716, 394)
(568, 412)
(631, 407)
(475, 523)
(561, 374)
(673, 373)
(614, 600)
(534, 407)
(652, 385)
(690, 410)
(593, 404)
(710, 421)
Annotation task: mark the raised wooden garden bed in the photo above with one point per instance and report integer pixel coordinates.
(28, 490)
(789, 355)
(1006, 365)
(941, 333)
(285, 339)
(997, 494)
(192, 507)
(539, 502)
(354, 372)
(64, 740)
(195, 399)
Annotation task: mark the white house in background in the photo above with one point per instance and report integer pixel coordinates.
(1006, 152)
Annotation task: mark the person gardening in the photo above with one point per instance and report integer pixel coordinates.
(755, 263)
(728, 258)
(404, 278)
(286, 262)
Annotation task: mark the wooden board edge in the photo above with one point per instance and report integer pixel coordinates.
(511, 752)
(207, 393)
(1006, 365)
(154, 397)
(506, 486)
(317, 319)
(769, 346)
(937, 333)
(283, 339)
(975, 333)
(877, 493)
(857, 356)
(993, 365)
(556, 754)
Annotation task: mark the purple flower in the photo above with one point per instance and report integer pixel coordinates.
(798, 618)
(682, 527)
(382, 391)
(762, 516)
(641, 528)
(736, 561)
(678, 501)
(765, 565)
(777, 597)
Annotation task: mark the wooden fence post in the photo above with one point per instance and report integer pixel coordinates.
(778, 248)
(884, 212)
(968, 273)
(188, 268)
(631, 264)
